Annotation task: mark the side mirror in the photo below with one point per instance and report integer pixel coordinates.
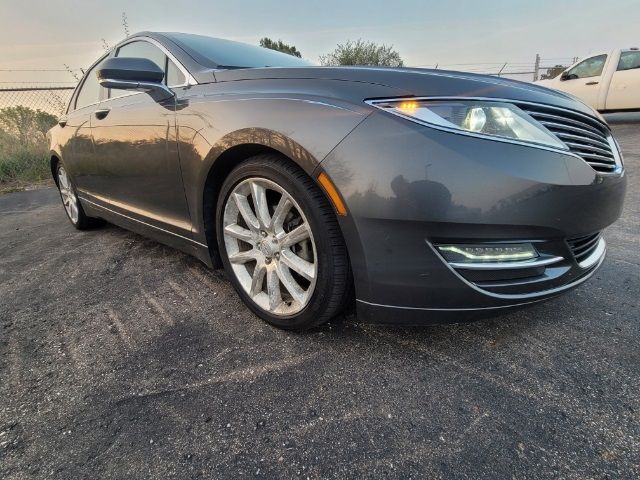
(566, 76)
(134, 74)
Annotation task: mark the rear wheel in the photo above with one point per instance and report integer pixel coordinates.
(72, 206)
(281, 245)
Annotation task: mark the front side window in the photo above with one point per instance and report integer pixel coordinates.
(591, 67)
(174, 76)
(629, 60)
(139, 49)
(90, 90)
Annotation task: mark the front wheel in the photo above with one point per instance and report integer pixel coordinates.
(281, 245)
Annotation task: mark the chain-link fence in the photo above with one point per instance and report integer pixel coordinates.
(27, 112)
(47, 98)
(541, 68)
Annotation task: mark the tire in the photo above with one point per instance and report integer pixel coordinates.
(71, 203)
(295, 239)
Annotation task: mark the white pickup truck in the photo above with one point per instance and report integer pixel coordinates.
(608, 82)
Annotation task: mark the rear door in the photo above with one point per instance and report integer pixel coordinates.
(584, 80)
(79, 155)
(624, 90)
(135, 143)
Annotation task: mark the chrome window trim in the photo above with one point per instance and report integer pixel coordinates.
(189, 80)
(374, 103)
(76, 92)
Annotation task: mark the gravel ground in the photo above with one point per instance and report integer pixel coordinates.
(122, 358)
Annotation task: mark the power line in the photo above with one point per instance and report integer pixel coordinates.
(37, 70)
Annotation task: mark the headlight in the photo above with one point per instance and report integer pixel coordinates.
(491, 119)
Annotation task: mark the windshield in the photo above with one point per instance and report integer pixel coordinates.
(218, 53)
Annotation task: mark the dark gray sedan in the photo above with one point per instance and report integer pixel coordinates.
(427, 196)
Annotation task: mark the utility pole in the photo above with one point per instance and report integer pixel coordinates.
(125, 24)
(536, 68)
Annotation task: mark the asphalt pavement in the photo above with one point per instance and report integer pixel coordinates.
(123, 358)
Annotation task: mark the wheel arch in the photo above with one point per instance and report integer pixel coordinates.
(218, 171)
(229, 152)
(54, 160)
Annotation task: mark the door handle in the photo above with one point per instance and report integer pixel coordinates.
(592, 83)
(102, 113)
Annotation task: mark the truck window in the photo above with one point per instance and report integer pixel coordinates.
(591, 67)
(629, 60)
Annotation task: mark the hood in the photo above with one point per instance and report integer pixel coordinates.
(415, 82)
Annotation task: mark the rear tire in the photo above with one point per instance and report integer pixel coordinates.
(73, 208)
(281, 245)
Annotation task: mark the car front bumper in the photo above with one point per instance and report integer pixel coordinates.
(408, 188)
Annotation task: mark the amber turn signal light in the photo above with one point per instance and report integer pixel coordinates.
(333, 194)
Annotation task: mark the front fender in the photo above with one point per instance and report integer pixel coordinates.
(303, 129)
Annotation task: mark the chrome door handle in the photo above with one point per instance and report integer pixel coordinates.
(102, 113)
(592, 83)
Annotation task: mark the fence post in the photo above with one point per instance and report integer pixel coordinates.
(536, 68)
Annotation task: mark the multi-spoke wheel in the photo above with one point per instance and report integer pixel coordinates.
(281, 244)
(70, 200)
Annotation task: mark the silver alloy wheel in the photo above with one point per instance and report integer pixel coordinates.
(270, 246)
(69, 199)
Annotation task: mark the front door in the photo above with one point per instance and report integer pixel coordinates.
(135, 143)
(584, 80)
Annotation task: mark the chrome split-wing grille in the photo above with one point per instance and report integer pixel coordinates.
(583, 136)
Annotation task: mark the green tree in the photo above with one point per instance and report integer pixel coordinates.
(553, 72)
(24, 152)
(280, 46)
(362, 53)
(26, 124)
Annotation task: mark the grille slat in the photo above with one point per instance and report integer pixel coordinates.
(569, 137)
(589, 149)
(584, 136)
(562, 121)
(585, 246)
(595, 159)
(569, 128)
(582, 247)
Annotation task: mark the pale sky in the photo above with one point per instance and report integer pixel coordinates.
(45, 34)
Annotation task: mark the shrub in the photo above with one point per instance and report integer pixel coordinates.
(23, 144)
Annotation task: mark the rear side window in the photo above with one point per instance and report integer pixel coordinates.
(629, 60)
(591, 67)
